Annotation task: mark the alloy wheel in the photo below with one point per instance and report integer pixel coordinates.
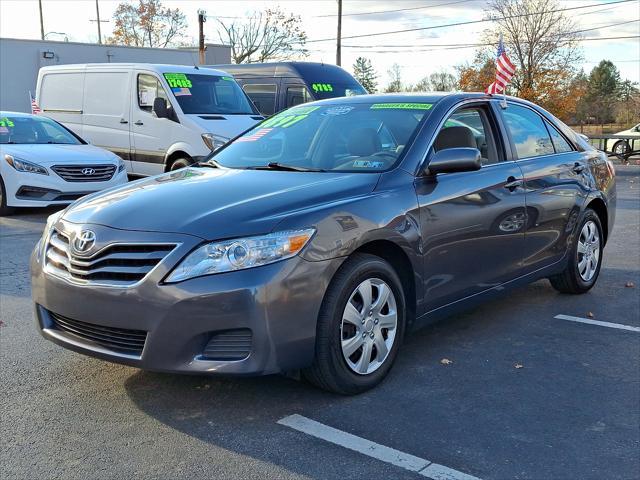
(369, 324)
(588, 251)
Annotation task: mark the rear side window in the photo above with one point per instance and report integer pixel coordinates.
(263, 96)
(559, 142)
(529, 135)
(62, 91)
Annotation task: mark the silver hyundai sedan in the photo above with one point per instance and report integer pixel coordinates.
(316, 240)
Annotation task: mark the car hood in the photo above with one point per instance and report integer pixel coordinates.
(223, 124)
(52, 154)
(217, 203)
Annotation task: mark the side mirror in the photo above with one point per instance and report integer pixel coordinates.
(451, 160)
(160, 107)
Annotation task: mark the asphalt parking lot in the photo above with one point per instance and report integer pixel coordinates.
(522, 394)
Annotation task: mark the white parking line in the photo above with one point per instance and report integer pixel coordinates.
(371, 449)
(598, 322)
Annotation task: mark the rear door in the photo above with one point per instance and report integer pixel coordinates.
(296, 93)
(556, 181)
(472, 222)
(263, 93)
(107, 112)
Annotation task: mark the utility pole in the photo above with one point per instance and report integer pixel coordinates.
(338, 44)
(41, 21)
(202, 17)
(98, 21)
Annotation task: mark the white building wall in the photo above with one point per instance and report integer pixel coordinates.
(20, 61)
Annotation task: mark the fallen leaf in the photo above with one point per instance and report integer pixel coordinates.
(590, 315)
(446, 361)
(629, 284)
(518, 365)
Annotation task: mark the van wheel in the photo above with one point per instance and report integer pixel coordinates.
(4, 209)
(360, 327)
(180, 163)
(585, 258)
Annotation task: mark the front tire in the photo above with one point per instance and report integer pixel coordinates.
(360, 327)
(4, 209)
(180, 163)
(620, 148)
(585, 260)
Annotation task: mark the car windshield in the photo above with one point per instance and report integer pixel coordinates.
(334, 90)
(357, 137)
(34, 130)
(208, 94)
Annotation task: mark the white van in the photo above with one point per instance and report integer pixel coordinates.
(156, 117)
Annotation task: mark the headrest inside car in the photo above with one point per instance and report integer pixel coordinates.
(455, 137)
(363, 142)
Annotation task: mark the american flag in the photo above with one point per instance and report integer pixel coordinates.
(35, 109)
(504, 71)
(256, 136)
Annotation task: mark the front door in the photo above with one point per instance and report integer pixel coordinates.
(556, 180)
(152, 136)
(472, 222)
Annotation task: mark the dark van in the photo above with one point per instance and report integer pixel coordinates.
(276, 86)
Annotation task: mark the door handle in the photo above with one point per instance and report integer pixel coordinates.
(139, 122)
(513, 183)
(578, 167)
(122, 120)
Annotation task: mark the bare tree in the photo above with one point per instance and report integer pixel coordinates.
(442, 81)
(422, 86)
(541, 40)
(263, 36)
(395, 74)
(147, 24)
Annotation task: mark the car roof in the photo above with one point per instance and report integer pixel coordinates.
(156, 67)
(312, 71)
(15, 114)
(422, 97)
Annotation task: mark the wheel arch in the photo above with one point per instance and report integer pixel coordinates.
(173, 156)
(399, 260)
(598, 206)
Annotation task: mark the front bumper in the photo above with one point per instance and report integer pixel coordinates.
(277, 303)
(35, 190)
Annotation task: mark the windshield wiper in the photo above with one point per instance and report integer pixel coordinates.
(211, 163)
(285, 168)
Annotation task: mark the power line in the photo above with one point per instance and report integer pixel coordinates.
(464, 44)
(433, 27)
(393, 11)
(475, 45)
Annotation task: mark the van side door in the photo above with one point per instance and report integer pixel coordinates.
(107, 111)
(296, 93)
(152, 136)
(556, 181)
(263, 92)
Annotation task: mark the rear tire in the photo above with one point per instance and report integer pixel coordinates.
(620, 148)
(4, 209)
(349, 321)
(180, 163)
(585, 257)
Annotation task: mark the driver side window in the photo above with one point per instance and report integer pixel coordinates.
(148, 89)
(469, 127)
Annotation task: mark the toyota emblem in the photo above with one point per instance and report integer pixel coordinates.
(84, 241)
(88, 171)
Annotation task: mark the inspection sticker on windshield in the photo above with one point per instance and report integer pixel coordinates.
(401, 106)
(177, 80)
(367, 164)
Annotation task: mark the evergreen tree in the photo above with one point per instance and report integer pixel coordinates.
(364, 72)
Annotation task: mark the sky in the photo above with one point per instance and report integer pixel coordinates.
(418, 53)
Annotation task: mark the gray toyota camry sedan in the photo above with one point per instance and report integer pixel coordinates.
(317, 240)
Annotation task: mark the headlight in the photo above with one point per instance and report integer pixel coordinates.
(241, 253)
(214, 142)
(24, 166)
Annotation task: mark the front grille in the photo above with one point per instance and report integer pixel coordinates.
(119, 340)
(92, 173)
(115, 265)
(229, 345)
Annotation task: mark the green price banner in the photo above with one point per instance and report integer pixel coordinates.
(177, 80)
(322, 87)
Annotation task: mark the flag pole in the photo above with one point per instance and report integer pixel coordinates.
(30, 102)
